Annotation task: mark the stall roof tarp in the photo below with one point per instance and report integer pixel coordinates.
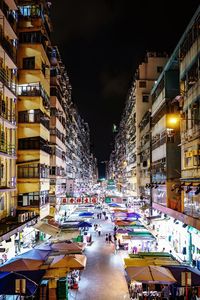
(21, 264)
(150, 274)
(134, 262)
(69, 247)
(66, 235)
(35, 254)
(177, 270)
(76, 261)
(47, 228)
(7, 281)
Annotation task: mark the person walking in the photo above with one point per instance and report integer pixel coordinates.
(106, 238)
(110, 238)
(99, 230)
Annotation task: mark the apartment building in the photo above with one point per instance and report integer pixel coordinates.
(59, 100)
(33, 107)
(130, 150)
(175, 145)
(8, 129)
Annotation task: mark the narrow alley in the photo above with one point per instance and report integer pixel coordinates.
(104, 277)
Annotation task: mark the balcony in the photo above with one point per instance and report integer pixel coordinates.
(34, 90)
(8, 14)
(34, 143)
(34, 199)
(58, 134)
(11, 225)
(33, 117)
(34, 37)
(8, 185)
(7, 81)
(33, 171)
(8, 47)
(8, 115)
(7, 148)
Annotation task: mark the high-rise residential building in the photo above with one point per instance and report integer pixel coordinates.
(132, 161)
(8, 129)
(58, 123)
(33, 156)
(175, 145)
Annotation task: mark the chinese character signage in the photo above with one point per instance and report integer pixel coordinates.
(79, 200)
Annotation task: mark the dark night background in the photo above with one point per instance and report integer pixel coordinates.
(102, 42)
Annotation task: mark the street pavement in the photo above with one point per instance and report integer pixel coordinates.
(103, 278)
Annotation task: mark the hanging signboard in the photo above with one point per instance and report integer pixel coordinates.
(79, 200)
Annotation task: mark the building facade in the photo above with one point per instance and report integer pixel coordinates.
(33, 107)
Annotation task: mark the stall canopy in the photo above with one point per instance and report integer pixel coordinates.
(76, 261)
(8, 281)
(21, 264)
(135, 262)
(150, 274)
(47, 228)
(84, 224)
(35, 254)
(69, 247)
(178, 270)
(86, 214)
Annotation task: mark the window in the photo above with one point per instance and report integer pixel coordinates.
(29, 63)
(2, 203)
(159, 69)
(53, 171)
(196, 160)
(145, 98)
(1, 170)
(142, 84)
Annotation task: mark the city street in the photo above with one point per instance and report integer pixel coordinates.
(104, 277)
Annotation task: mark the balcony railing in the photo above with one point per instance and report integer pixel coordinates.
(8, 47)
(36, 117)
(7, 148)
(33, 37)
(8, 14)
(7, 81)
(36, 143)
(11, 184)
(34, 90)
(33, 171)
(8, 115)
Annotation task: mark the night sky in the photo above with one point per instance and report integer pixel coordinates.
(102, 42)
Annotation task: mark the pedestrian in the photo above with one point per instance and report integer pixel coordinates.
(106, 238)
(100, 215)
(97, 216)
(110, 238)
(99, 230)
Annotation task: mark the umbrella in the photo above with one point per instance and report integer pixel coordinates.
(84, 224)
(35, 254)
(21, 264)
(151, 274)
(76, 261)
(8, 283)
(86, 214)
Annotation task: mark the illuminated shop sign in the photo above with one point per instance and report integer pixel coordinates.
(79, 200)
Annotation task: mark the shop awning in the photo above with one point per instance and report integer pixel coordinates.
(8, 283)
(75, 261)
(151, 274)
(47, 228)
(134, 262)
